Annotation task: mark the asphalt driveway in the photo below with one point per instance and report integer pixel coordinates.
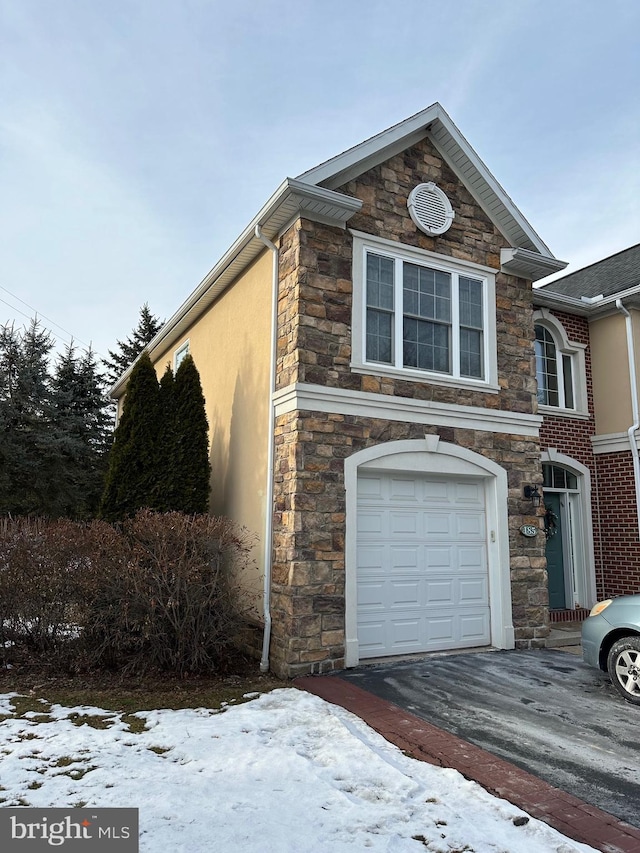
(544, 711)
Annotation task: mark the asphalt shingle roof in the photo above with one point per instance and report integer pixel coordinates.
(612, 275)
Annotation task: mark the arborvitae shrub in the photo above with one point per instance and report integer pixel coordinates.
(134, 460)
(191, 470)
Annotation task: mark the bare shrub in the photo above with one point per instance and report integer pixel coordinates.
(175, 606)
(155, 592)
(40, 563)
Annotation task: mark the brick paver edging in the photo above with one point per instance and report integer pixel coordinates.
(426, 742)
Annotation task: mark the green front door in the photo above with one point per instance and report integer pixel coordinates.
(554, 553)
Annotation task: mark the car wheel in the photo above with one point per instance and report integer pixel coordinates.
(623, 664)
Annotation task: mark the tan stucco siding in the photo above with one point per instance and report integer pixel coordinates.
(610, 370)
(230, 344)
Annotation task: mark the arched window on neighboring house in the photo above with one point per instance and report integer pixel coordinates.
(554, 371)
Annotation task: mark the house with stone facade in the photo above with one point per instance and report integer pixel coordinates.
(366, 350)
(587, 363)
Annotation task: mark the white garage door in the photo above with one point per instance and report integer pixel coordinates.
(422, 564)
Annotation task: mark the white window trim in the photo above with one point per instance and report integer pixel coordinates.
(363, 242)
(554, 457)
(576, 351)
(179, 354)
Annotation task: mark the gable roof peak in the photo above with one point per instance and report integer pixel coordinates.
(435, 124)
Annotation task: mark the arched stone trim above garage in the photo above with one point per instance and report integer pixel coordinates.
(432, 458)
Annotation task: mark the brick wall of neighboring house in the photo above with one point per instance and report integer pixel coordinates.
(618, 525)
(572, 436)
(314, 346)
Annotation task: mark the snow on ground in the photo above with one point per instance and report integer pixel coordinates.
(286, 773)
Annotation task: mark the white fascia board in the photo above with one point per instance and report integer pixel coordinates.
(487, 191)
(340, 401)
(556, 301)
(374, 150)
(292, 198)
(542, 297)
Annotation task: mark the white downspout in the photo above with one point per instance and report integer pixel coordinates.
(635, 411)
(268, 526)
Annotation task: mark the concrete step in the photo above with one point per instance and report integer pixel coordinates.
(557, 641)
(564, 635)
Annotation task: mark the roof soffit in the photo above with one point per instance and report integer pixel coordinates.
(527, 264)
(292, 199)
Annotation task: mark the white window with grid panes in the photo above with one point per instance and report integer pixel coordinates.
(560, 368)
(554, 372)
(422, 315)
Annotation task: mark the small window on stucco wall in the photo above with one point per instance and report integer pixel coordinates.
(180, 354)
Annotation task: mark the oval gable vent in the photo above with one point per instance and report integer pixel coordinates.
(430, 209)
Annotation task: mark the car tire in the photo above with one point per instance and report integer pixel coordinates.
(623, 665)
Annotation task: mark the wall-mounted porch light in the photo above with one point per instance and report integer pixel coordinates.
(532, 494)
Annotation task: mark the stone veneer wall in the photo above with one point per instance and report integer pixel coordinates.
(314, 346)
(308, 576)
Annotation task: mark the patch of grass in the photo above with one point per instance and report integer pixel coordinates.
(76, 775)
(65, 761)
(24, 704)
(126, 694)
(159, 750)
(95, 721)
(135, 725)
(33, 786)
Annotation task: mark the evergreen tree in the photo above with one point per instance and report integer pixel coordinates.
(167, 497)
(82, 420)
(190, 465)
(54, 428)
(30, 458)
(134, 462)
(147, 328)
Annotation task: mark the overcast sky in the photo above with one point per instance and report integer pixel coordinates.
(139, 137)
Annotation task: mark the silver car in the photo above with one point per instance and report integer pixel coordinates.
(611, 642)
